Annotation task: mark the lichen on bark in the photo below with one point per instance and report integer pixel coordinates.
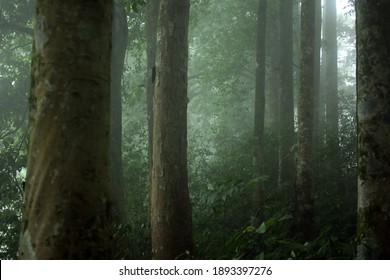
(373, 104)
(67, 204)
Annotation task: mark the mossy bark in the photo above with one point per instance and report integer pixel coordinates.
(67, 210)
(373, 106)
(171, 221)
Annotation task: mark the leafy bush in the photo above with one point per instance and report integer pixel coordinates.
(272, 240)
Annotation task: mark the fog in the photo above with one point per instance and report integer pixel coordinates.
(220, 133)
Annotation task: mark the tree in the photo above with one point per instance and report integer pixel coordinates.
(171, 219)
(286, 103)
(258, 151)
(373, 89)
(331, 80)
(118, 52)
(317, 73)
(67, 203)
(152, 10)
(304, 209)
(272, 106)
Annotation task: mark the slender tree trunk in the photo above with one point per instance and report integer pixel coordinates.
(317, 74)
(119, 46)
(373, 87)
(318, 106)
(321, 98)
(286, 101)
(296, 45)
(331, 89)
(118, 52)
(272, 95)
(171, 219)
(67, 204)
(258, 153)
(304, 208)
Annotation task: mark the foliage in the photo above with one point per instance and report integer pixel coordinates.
(12, 160)
(132, 246)
(134, 5)
(217, 212)
(14, 82)
(220, 138)
(271, 240)
(136, 176)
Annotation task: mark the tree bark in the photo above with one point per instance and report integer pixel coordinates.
(119, 46)
(67, 203)
(171, 219)
(304, 208)
(258, 151)
(331, 81)
(272, 95)
(317, 74)
(117, 192)
(286, 100)
(152, 10)
(373, 88)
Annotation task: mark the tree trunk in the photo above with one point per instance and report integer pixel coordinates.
(152, 10)
(373, 80)
(119, 46)
(117, 192)
(286, 118)
(258, 153)
(330, 82)
(317, 75)
(67, 204)
(304, 209)
(272, 95)
(171, 219)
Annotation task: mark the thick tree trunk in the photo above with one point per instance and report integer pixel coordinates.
(152, 10)
(258, 151)
(304, 208)
(151, 20)
(171, 219)
(286, 118)
(373, 78)
(67, 204)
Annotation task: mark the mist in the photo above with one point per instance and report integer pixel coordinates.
(215, 148)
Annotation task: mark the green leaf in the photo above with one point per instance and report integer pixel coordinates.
(286, 217)
(262, 228)
(210, 187)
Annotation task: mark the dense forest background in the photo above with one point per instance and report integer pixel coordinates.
(221, 98)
